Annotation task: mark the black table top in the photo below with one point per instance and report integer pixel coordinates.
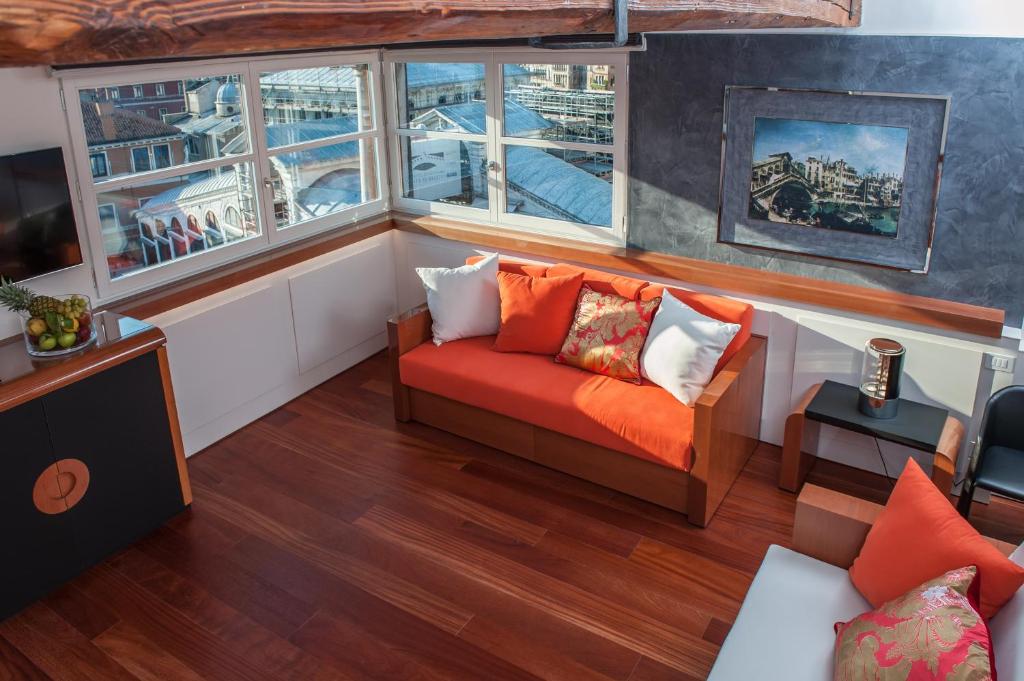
(915, 425)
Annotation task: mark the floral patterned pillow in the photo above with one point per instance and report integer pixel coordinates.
(608, 334)
(933, 632)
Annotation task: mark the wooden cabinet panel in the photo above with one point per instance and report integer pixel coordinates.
(116, 423)
(37, 549)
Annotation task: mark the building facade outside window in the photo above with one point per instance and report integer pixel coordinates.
(509, 138)
(173, 193)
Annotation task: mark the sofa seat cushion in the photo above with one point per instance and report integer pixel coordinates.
(784, 631)
(642, 420)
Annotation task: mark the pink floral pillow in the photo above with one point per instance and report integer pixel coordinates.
(608, 334)
(933, 632)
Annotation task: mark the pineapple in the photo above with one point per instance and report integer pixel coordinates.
(20, 298)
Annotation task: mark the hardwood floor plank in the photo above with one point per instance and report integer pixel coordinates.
(263, 602)
(90, 616)
(649, 670)
(143, 658)
(58, 649)
(608, 619)
(371, 580)
(14, 666)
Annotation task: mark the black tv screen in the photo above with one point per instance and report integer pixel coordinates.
(37, 224)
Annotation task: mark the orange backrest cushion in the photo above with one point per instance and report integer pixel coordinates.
(536, 312)
(512, 266)
(717, 307)
(919, 536)
(602, 282)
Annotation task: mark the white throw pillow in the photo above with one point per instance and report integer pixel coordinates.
(682, 349)
(463, 301)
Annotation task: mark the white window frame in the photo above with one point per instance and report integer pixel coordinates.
(113, 207)
(496, 141)
(270, 235)
(106, 164)
(152, 154)
(161, 89)
(149, 158)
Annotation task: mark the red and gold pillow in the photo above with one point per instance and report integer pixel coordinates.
(932, 632)
(608, 334)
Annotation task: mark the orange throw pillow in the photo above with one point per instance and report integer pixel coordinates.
(535, 312)
(608, 334)
(919, 536)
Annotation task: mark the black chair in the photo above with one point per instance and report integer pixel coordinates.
(997, 463)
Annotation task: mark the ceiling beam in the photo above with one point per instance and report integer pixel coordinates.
(63, 32)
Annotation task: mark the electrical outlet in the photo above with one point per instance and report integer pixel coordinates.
(1002, 363)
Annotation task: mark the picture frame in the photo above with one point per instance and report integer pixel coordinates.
(841, 175)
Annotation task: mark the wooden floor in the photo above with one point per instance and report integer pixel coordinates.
(328, 542)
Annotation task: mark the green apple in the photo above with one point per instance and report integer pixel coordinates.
(66, 340)
(47, 341)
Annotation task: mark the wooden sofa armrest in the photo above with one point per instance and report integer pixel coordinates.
(726, 429)
(831, 526)
(405, 332)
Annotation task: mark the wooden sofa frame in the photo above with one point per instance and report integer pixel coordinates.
(831, 526)
(727, 421)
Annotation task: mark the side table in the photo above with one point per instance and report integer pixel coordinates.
(919, 426)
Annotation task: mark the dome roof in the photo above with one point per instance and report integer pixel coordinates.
(227, 93)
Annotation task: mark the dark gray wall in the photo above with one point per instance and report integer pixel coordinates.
(676, 94)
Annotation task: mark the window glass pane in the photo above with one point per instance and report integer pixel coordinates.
(561, 185)
(161, 155)
(316, 182)
(563, 102)
(140, 159)
(436, 95)
(174, 218)
(301, 105)
(98, 164)
(445, 170)
(203, 120)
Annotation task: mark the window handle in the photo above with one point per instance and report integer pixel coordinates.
(493, 166)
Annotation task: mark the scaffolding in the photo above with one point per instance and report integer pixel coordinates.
(579, 115)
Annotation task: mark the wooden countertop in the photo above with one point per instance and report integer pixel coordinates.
(119, 339)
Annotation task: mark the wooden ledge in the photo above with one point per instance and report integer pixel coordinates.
(149, 304)
(939, 314)
(45, 376)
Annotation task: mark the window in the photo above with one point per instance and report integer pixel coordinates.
(165, 200)
(137, 91)
(161, 155)
(326, 166)
(161, 89)
(162, 112)
(98, 164)
(140, 159)
(509, 138)
(114, 93)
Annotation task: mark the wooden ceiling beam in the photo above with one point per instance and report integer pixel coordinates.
(63, 32)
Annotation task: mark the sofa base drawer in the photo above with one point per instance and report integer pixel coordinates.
(624, 473)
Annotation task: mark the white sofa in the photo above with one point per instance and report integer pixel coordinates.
(784, 631)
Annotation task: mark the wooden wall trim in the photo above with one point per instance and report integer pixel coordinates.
(940, 314)
(150, 304)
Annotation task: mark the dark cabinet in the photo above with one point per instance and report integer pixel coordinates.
(35, 547)
(87, 469)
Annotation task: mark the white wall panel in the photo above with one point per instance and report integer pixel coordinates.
(228, 349)
(340, 303)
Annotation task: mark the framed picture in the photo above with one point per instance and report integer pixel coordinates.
(840, 175)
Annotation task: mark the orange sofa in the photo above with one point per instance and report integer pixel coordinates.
(637, 439)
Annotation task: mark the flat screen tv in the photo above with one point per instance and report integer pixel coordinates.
(37, 223)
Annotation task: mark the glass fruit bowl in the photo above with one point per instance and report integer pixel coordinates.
(55, 326)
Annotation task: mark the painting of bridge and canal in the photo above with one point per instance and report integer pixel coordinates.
(837, 176)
